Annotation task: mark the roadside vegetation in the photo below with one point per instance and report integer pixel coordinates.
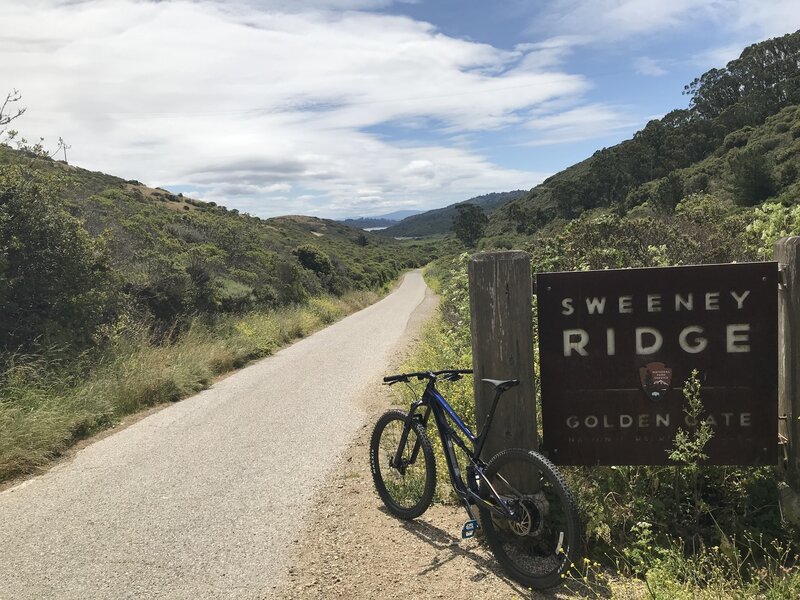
(115, 296)
(48, 402)
(683, 531)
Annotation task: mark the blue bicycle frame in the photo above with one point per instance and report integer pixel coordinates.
(469, 492)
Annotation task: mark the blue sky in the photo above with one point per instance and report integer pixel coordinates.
(340, 108)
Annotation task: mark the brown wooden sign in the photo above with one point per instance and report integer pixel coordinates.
(617, 346)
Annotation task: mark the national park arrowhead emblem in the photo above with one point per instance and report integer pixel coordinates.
(656, 378)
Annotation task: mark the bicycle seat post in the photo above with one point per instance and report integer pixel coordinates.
(487, 423)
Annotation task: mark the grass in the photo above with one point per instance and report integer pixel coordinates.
(752, 568)
(46, 405)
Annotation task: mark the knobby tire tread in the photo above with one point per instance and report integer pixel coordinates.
(556, 479)
(426, 455)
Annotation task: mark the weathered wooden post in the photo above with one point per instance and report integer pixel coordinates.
(500, 293)
(787, 253)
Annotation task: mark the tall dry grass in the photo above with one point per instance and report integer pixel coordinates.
(47, 405)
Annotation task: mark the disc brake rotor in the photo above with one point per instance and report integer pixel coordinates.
(531, 510)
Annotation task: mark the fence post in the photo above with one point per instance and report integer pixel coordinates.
(500, 292)
(787, 253)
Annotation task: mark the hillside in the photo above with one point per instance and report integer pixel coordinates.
(439, 221)
(160, 256)
(369, 222)
(737, 140)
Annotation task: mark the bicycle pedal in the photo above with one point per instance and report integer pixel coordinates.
(469, 529)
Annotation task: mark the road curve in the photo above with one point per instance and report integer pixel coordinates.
(203, 498)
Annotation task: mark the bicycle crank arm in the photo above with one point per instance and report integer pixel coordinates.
(502, 510)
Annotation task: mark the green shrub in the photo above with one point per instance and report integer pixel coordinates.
(751, 175)
(56, 285)
(678, 528)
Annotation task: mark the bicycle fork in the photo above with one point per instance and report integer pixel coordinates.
(397, 461)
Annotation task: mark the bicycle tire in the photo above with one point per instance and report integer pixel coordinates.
(407, 493)
(539, 548)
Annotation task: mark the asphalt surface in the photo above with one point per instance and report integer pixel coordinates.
(204, 498)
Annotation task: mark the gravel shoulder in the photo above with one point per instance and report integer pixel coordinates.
(353, 548)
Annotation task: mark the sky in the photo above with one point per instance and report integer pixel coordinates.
(340, 108)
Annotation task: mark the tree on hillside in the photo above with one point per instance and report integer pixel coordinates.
(469, 224)
(313, 259)
(752, 175)
(7, 112)
(753, 86)
(668, 192)
(56, 285)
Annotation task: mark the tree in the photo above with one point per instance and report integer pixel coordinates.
(56, 285)
(668, 192)
(752, 175)
(7, 114)
(469, 224)
(753, 86)
(313, 259)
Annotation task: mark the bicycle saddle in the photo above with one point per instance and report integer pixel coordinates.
(501, 385)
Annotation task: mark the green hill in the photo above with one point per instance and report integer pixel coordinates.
(128, 249)
(738, 139)
(440, 220)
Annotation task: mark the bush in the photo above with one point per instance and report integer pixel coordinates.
(688, 530)
(771, 222)
(752, 175)
(56, 285)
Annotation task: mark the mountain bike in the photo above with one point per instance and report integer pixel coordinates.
(525, 509)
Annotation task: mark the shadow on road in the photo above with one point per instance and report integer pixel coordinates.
(443, 541)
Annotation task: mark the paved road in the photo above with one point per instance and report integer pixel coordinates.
(204, 498)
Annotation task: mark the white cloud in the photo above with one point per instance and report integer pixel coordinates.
(240, 101)
(616, 20)
(719, 56)
(581, 123)
(645, 65)
(768, 19)
(613, 19)
(277, 106)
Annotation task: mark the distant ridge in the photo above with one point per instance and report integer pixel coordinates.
(386, 220)
(369, 222)
(399, 215)
(439, 221)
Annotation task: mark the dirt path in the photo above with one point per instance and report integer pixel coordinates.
(352, 548)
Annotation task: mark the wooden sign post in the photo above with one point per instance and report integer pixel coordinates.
(500, 292)
(787, 253)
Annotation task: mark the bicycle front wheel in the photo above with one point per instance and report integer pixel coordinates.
(405, 488)
(539, 544)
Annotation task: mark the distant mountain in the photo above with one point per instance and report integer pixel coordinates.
(439, 221)
(398, 215)
(386, 220)
(369, 222)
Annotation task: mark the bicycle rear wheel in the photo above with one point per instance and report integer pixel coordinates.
(406, 488)
(537, 547)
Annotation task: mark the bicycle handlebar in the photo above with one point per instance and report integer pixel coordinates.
(450, 375)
